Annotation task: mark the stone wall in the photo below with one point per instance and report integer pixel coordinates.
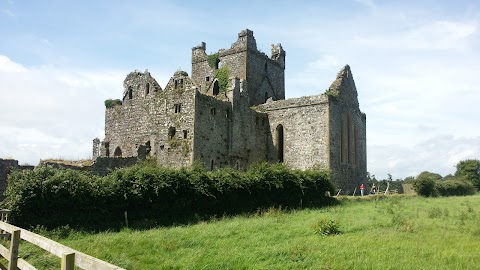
(304, 122)
(348, 151)
(7, 166)
(161, 122)
(266, 76)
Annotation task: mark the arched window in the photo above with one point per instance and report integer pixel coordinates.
(130, 92)
(216, 88)
(280, 143)
(147, 89)
(118, 152)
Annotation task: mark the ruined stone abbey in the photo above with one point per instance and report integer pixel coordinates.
(232, 111)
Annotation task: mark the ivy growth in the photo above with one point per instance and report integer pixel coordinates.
(331, 93)
(213, 60)
(222, 75)
(110, 103)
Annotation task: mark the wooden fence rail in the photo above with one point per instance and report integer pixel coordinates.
(69, 257)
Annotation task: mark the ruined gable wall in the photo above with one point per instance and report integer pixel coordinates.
(305, 129)
(347, 127)
(148, 118)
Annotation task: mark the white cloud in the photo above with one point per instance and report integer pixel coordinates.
(438, 154)
(52, 112)
(435, 35)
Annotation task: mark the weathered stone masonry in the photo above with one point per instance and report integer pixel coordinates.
(193, 119)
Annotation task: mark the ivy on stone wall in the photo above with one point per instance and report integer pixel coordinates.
(222, 75)
(331, 93)
(213, 60)
(109, 103)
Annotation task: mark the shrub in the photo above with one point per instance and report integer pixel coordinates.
(222, 75)
(56, 197)
(425, 187)
(325, 226)
(110, 103)
(455, 187)
(212, 60)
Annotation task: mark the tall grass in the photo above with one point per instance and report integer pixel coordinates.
(396, 232)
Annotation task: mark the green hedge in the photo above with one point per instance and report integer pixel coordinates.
(455, 188)
(53, 197)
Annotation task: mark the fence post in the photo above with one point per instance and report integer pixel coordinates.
(14, 242)
(68, 261)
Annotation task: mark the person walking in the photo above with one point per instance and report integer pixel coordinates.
(362, 188)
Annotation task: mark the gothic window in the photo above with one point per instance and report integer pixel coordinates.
(147, 89)
(178, 107)
(280, 143)
(216, 88)
(118, 152)
(171, 132)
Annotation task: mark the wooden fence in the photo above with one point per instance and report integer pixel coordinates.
(69, 257)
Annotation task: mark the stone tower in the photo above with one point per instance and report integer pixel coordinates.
(265, 75)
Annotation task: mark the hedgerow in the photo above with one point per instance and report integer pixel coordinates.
(54, 197)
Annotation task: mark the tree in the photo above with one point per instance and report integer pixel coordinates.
(427, 174)
(469, 170)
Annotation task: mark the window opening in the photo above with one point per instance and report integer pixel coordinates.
(216, 88)
(178, 107)
(171, 132)
(185, 133)
(211, 165)
(130, 92)
(280, 143)
(207, 79)
(118, 152)
(107, 149)
(148, 148)
(147, 89)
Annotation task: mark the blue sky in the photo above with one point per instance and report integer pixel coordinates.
(415, 64)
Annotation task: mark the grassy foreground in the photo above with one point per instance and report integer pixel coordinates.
(376, 233)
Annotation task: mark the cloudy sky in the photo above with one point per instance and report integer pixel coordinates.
(416, 65)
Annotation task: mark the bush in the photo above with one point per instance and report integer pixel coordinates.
(56, 197)
(455, 187)
(326, 226)
(425, 187)
(109, 103)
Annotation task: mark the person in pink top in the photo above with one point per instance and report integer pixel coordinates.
(362, 188)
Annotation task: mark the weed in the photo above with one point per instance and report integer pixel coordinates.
(325, 226)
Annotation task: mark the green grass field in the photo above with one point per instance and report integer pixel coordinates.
(395, 232)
